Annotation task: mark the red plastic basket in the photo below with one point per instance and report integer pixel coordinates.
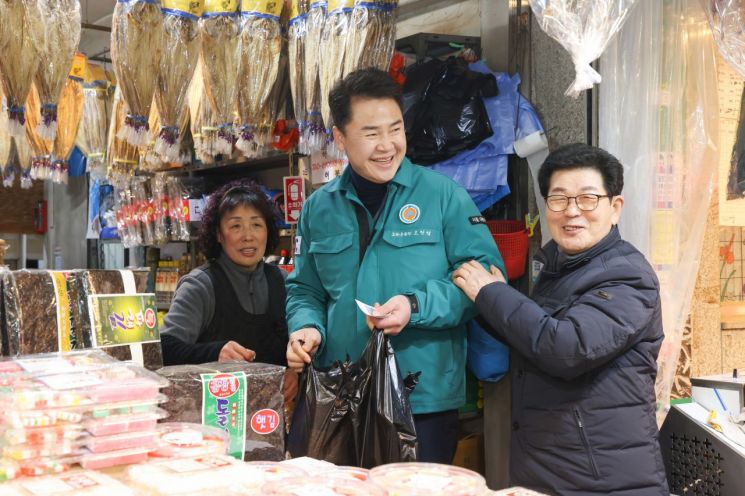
(512, 240)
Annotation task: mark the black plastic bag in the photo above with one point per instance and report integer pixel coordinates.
(356, 413)
(445, 112)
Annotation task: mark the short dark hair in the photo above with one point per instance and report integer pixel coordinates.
(368, 83)
(241, 192)
(582, 156)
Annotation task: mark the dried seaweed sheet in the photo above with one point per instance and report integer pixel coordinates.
(62, 36)
(136, 38)
(264, 384)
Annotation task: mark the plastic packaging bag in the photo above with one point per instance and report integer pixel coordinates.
(356, 413)
(91, 137)
(583, 28)
(726, 18)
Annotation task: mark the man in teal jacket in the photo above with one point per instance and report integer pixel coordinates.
(388, 231)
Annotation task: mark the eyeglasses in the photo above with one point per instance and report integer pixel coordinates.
(586, 202)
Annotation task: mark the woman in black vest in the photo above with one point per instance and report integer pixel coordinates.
(233, 307)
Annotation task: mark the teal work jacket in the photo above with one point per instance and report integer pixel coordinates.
(427, 227)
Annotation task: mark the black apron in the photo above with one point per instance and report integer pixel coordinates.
(266, 334)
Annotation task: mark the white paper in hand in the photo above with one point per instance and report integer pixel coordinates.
(366, 309)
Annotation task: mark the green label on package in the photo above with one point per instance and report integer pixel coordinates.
(118, 319)
(224, 407)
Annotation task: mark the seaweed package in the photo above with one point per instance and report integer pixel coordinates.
(105, 282)
(91, 138)
(219, 33)
(62, 29)
(37, 312)
(313, 136)
(260, 47)
(136, 37)
(179, 59)
(21, 42)
(70, 113)
(211, 392)
(296, 31)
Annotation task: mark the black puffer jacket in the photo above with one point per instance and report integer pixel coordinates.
(584, 367)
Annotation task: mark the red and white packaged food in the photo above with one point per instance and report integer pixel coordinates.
(321, 486)
(515, 491)
(184, 439)
(128, 440)
(78, 483)
(426, 479)
(356, 473)
(200, 475)
(20, 452)
(97, 461)
(111, 424)
(40, 436)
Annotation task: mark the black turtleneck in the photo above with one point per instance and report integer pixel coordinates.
(371, 194)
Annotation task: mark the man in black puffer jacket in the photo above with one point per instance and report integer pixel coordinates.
(585, 345)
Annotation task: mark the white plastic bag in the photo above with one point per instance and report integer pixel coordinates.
(583, 28)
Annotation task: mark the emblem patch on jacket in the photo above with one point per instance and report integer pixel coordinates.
(409, 213)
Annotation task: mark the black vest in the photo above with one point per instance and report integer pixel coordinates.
(266, 334)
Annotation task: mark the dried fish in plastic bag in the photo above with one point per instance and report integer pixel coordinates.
(70, 113)
(122, 156)
(94, 124)
(41, 161)
(296, 31)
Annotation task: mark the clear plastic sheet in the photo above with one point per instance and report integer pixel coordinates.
(260, 48)
(583, 28)
(727, 18)
(21, 45)
(62, 29)
(94, 124)
(177, 64)
(670, 152)
(219, 33)
(136, 47)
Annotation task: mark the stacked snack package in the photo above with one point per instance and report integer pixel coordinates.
(62, 36)
(42, 149)
(425, 479)
(95, 120)
(136, 37)
(203, 127)
(296, 31)
(21, 43)
(260, 47)
(212, 392)
(75, 407)
(333, 48)
(219, 33)
(179, 59)
(122, 157)
(70, 113)
(313, 136)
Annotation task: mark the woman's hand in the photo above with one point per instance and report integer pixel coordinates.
(471, 277)
(234, 351)
(303, 343)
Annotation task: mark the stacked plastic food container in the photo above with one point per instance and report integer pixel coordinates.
(81, 407)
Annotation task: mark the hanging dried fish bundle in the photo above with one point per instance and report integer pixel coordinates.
(23, 152)
(70, 113)
(41, 160)
(313, 136)
(10, 167)
(219, 32)
(149, 159)
(333, 47)
(136, 46)
(260, 47)
(386, 42)
(296, 31)
(366, 27)
(179, 59)
(203, 128)
(274, 108)
(5, 138)
(122, 156)
(21, 42)
(62, 36)
(186, 143)
(95, 121)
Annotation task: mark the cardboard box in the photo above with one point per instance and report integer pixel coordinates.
(470, 453)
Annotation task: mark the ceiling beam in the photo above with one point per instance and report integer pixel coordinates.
(417, 7)
(96, 27)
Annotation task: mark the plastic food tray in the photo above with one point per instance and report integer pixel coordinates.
(426, 479)
(355, 473)
(96, 461)
(129, 440)
(40, 436)
(126, 422)
(183, 439)
(20, 452)
(79, 483)
(326, 486)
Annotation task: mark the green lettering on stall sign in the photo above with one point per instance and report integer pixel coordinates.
(224, 407)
